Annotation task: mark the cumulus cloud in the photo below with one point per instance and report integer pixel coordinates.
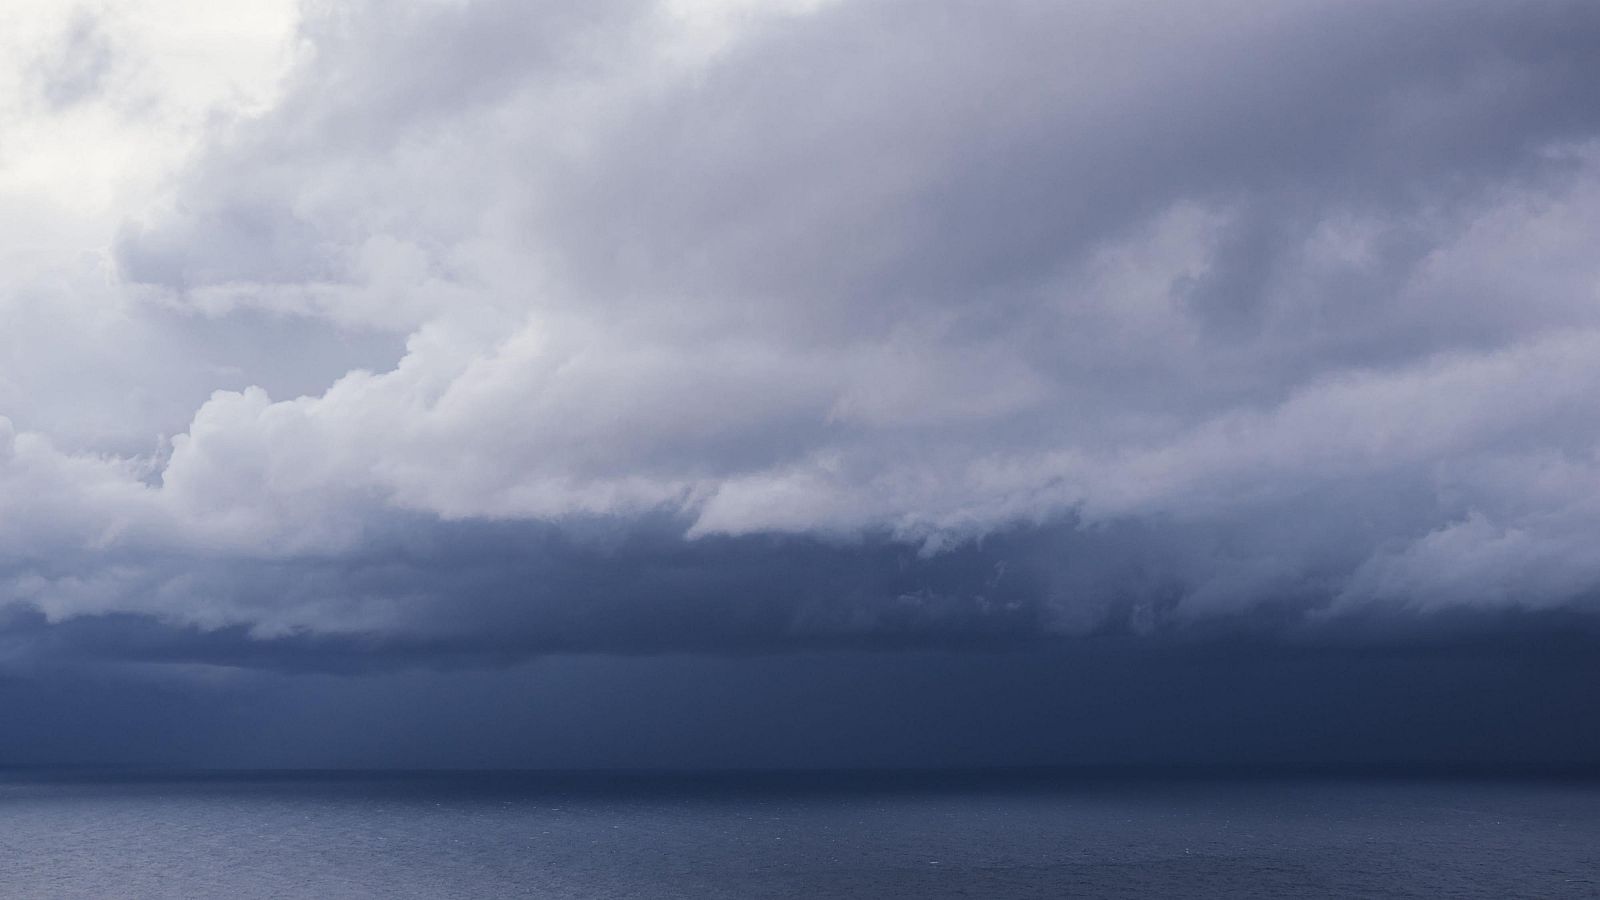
(555, 326)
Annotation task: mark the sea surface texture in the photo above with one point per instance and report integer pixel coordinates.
(242, 836)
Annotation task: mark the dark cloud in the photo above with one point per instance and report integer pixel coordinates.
(495, 594)
(1093, 703)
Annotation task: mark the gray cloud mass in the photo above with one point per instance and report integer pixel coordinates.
(512, 329)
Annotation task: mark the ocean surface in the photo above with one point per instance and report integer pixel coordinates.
(420, 835)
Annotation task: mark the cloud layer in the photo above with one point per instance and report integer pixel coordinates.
(505, 328)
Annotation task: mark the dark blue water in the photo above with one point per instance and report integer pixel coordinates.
(244, 836)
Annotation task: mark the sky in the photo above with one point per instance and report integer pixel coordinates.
(795, 383)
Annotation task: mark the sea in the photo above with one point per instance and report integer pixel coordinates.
(812, 835)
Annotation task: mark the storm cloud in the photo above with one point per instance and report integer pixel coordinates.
(466, 333)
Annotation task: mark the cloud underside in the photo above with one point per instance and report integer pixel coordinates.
(512, 328)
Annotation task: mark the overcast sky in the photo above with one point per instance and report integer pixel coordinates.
(798, 382)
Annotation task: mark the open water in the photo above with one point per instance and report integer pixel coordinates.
(344, 835)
